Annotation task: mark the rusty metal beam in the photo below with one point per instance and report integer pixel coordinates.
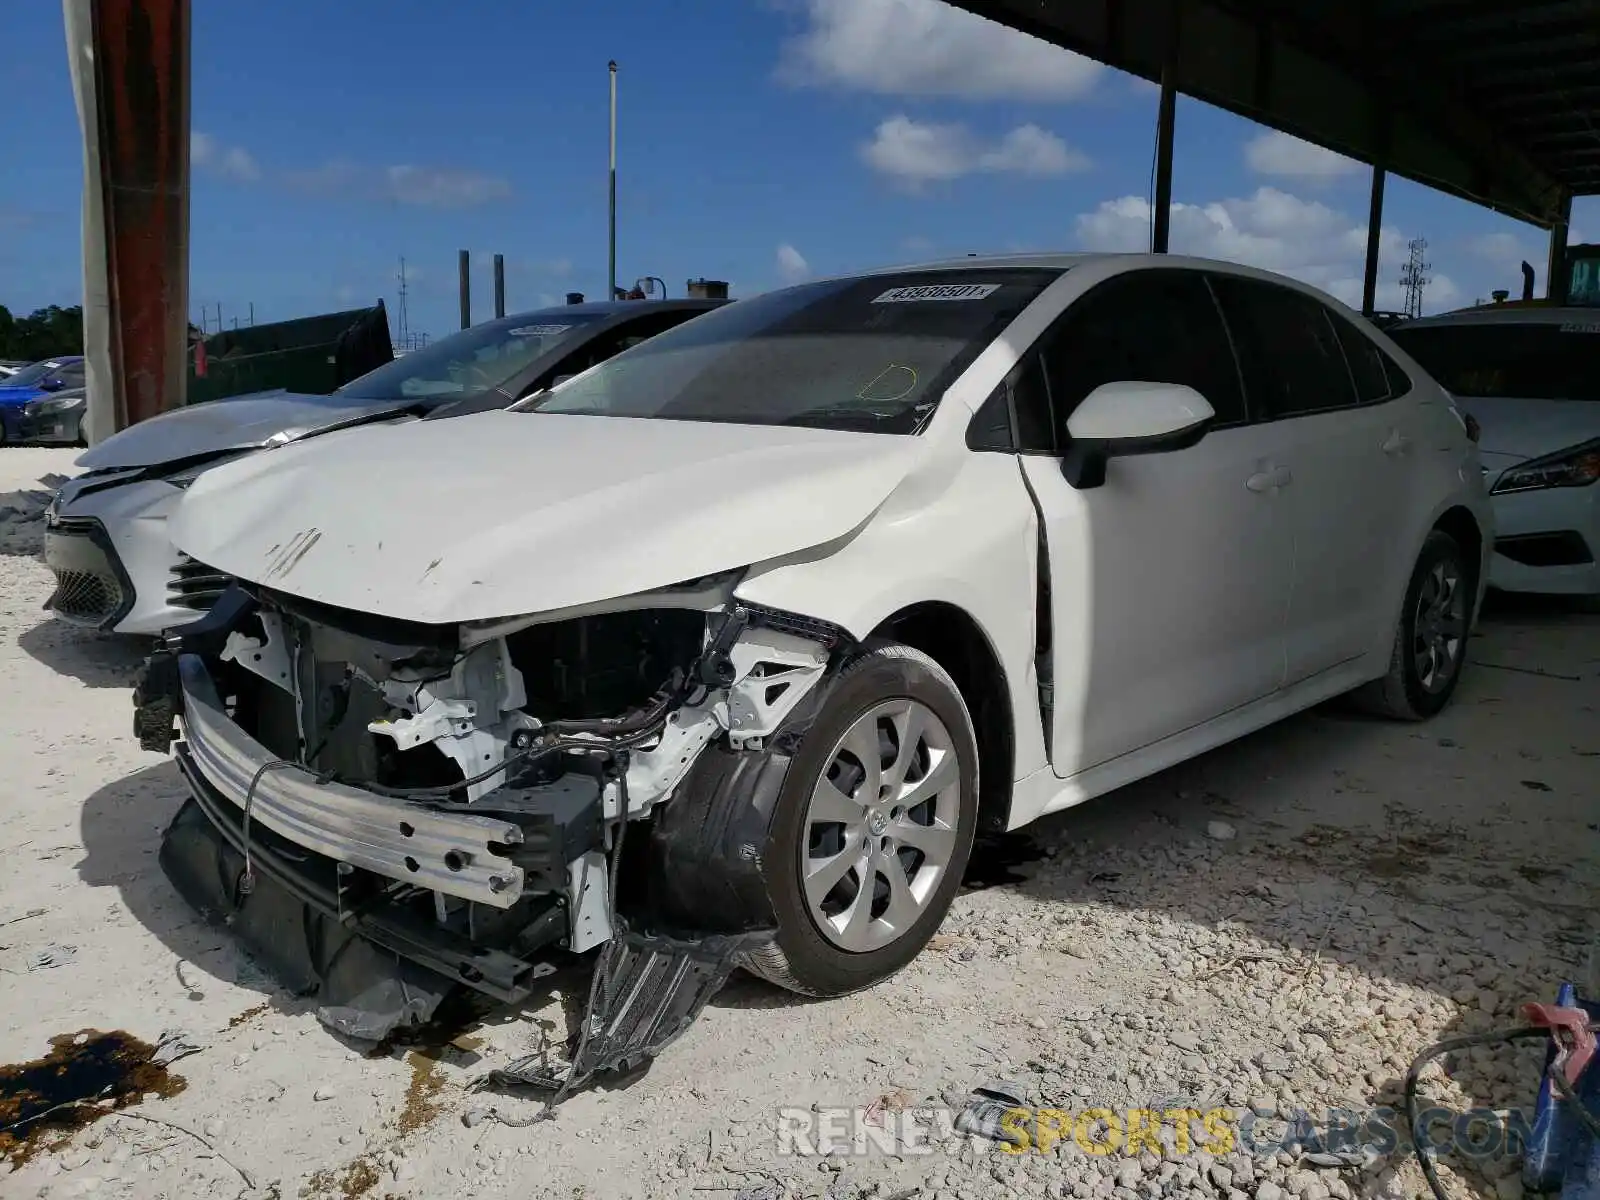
(140, 116)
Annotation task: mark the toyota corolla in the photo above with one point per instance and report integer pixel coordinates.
(721, 653)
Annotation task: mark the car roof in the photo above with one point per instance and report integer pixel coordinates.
(1066, 260)
(1510, 314)
(607, 308)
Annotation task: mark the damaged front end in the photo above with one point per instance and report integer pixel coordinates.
(385, 812)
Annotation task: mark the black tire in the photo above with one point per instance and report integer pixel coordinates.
(801, 959)
(1402, 694)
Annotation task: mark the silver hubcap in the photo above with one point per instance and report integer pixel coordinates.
(880, 830)
(1439, 631)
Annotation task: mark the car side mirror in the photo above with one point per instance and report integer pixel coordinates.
(52, 385)
(1126, 418)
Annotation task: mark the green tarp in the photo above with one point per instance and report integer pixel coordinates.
(313, 355)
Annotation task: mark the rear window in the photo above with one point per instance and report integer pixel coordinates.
(872, 353)
(1519, 361)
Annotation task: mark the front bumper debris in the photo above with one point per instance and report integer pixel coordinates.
(290, 924)
(385, 897)
(649, 989)
(454, 853)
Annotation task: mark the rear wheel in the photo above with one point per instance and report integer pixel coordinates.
(1430, 645)
(873, 827)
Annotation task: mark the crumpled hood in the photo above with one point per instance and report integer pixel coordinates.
(499, 514)
(234, 423)
(1517, 430)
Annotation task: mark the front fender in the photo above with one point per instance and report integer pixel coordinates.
(971, 542)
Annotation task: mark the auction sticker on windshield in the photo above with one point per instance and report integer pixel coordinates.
(538, 330)
(938, 291)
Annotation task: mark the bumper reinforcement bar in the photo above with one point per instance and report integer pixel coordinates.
(458, 854)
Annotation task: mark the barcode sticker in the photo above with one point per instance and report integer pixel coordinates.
(938, 291)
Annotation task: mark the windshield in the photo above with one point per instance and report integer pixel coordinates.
(470, 363)
(1519, 361)
(870, 353)
(29, 376)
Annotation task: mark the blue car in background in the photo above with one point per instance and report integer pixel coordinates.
(41, 379)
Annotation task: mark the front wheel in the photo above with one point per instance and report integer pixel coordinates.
(1430, 645)
(873, 826)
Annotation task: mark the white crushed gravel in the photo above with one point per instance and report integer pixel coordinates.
(1280, 925)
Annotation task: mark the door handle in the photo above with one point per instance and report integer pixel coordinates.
(1265, 481)
(1397, 443)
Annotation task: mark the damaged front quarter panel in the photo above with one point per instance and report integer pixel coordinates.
(457, 795)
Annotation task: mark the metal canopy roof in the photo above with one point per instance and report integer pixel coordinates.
(1496, 101)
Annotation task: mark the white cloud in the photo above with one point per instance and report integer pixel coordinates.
(231, 162)
(417, 186)
(914, 153)
(1504, 250)
(1272, 230)
(928, 48)
(441, 187)
(1504, 253)
(1276, 153)
(792, 265)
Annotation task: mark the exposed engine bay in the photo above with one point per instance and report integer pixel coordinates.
(386, 812)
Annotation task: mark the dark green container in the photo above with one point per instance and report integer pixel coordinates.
(311, 355)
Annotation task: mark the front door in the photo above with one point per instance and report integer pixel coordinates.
(1169, 582)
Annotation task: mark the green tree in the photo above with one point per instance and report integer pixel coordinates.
(44, 333)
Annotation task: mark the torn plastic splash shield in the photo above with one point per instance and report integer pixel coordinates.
(364, 991)
(652, 987)
(293, 922)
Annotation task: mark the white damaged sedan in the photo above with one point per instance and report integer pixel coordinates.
(722, 652)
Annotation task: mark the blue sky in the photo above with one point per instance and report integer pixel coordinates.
(759, 141)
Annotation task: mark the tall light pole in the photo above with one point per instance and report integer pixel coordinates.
(611, 290)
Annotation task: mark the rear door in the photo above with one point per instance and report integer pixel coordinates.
(1348, 463)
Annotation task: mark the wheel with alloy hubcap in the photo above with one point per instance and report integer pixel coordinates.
(1430, 645)
(873, 826)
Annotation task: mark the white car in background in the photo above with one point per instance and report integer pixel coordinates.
(1530, 376)
(106, 529)
(809, 590)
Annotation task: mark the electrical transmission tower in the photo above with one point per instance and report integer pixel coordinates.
(405, 331)
(1414, 276)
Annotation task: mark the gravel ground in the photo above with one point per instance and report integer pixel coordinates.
(1278, 926)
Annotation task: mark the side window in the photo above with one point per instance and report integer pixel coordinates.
(1030, 401)
(1291, 357)
(1399, 381)
(615, 341)
(1366, 363)
(647, 327)
(1150, 326)
(991, 424)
